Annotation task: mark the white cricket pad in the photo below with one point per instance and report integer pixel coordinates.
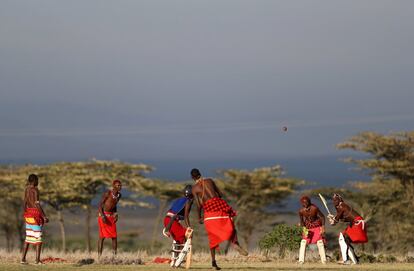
(351, 255)
(346, 251)
(302, 251)
(321, 249)
(344, 247)
(183, 253)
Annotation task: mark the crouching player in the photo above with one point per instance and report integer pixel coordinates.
(356, 232)
(313, 221)
(180, 210)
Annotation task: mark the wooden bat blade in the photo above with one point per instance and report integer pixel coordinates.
(324, 203)
(189, 254)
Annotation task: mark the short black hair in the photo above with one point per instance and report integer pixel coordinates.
(32, 179)
(195, 173)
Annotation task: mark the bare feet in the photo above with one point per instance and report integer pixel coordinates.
(215, 266)
(241, 250)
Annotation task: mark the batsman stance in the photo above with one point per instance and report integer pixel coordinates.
(218, 215)
(354, 233)
(180, 210)
(313, 221)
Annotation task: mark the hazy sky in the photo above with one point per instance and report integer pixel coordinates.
(200, 79)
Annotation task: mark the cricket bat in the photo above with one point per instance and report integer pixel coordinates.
(189, 254)
(325, 204)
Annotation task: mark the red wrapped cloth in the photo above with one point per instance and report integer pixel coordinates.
(313, 235)
(177, 231)
(107, 230)
(35, 214)
(357, 231)
(218, 222)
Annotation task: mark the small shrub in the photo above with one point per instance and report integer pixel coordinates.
(409, 259)
(282, 237)
(386, 259)
(391, 259)
(367, 258)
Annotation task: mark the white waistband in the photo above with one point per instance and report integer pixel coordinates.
(359, 222)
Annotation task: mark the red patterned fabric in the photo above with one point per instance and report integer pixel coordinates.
(218, 222)
(35, 214)
(218, 205)
(313, 236)
(313, 224)
(357, 231)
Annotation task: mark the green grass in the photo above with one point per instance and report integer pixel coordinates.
(198, 266)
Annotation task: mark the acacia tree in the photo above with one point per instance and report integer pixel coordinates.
(13, 180)
(65, 185)
(253, 192)
(94, 175)
(76, 184)
(389, 160)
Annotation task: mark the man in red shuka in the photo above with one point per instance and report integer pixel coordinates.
(218, 215)
(179, 210)
(108, 217)
(356, 232)
(313, 221)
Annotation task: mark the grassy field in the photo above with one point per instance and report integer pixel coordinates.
(204, 266)
(141, 260)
